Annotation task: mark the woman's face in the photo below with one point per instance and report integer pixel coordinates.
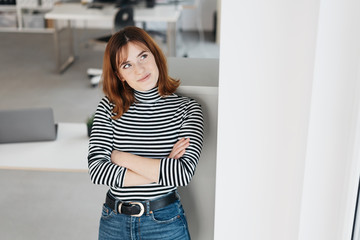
(139, 69)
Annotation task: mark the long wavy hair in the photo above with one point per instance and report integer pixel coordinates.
(119, 92)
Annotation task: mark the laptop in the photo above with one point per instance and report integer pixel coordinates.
(27, 125)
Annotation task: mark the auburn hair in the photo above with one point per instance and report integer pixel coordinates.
(119, 92)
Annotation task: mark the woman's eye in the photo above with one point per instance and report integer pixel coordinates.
(126, 66)
(144, 56)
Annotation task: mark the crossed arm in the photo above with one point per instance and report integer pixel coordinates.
(141, 170)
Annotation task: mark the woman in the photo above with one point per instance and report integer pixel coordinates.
(145, 142)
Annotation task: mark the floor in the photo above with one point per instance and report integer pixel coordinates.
(40, 204)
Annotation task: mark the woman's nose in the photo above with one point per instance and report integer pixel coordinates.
(139, 68)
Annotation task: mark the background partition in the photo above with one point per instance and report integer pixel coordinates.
(199, 79)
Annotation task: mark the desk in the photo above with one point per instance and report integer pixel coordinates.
(67, 153)
(75, 11)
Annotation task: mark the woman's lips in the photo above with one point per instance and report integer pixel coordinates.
(144, 78)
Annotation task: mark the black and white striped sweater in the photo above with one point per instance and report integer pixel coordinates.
(150, 128)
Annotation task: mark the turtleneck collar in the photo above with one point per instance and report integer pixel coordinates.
(149, 96)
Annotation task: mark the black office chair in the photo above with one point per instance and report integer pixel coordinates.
(123, 18)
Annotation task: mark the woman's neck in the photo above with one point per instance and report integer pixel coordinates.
(148, 96)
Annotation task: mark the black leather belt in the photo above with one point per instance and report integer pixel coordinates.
(137, 209)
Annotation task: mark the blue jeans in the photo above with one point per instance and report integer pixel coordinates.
(168, 223)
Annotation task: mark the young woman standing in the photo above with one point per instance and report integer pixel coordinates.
(145, 141)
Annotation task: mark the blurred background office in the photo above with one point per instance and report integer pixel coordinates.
(28, 62)
(45, 202)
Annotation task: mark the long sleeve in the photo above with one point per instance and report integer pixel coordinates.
(179, 172)
(149, 129)
(101, 169)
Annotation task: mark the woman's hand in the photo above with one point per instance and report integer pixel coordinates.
(116, 157)
(179, 148)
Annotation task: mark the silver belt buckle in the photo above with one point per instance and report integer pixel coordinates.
(142, 209)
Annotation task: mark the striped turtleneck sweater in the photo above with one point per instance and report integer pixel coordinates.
(150, 128)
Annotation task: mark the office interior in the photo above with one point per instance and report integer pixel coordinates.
(49, 182)
(287, 161)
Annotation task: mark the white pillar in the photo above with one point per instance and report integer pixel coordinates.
(267, 52)
(332, 162)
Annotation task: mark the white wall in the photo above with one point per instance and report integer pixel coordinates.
(332, 161)
(289, 126)
(266, 69)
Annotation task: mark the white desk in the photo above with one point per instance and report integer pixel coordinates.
(67, 153)
(75, 11)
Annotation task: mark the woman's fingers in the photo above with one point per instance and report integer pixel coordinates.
(179, 148)
(181, 142)
(180, 154)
